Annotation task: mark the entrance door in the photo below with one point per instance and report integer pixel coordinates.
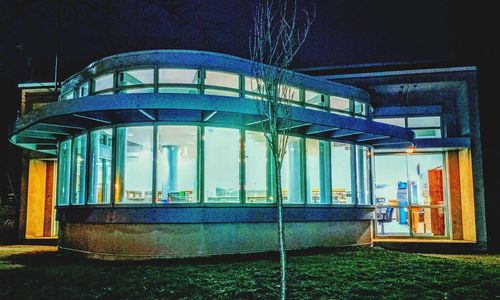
(40, 217)
(410, 195)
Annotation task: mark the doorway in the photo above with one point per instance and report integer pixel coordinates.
(40, 216)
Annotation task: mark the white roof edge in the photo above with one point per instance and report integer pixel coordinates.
(403, 72)
(35, 84)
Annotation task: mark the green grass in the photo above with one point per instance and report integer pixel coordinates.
(358, 273)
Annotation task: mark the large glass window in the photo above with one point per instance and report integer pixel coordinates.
(360, 108)
(256, 171)
(101, 142)
(78, 169)
(177, 164)
(363, 174)
(222, 165)
(103, 82)
(291, 172)
(289, 93)
(253, 85)
(317, 170)
(341, 173)
(134, 165)
(83, 90)
(63, 173)
(136, 77)
(222, 79)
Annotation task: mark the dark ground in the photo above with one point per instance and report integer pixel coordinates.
(36, 272)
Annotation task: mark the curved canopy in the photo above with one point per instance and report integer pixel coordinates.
(41, 129)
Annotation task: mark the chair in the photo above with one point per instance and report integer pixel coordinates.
(384, 216)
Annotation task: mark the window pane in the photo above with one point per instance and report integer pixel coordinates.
(363, 174)
(63, 173)
(83, 90)
(252, 85)
(137, 91)
(341, 173)
(428, 221)
(134, 165)
(425, 173)
(103, 82)
(291, 172)
(392, 121)
(222, 165)
(178, 90)
(101, 142)
(78, 171)
(68, 96)
(314, 98)
(360, 108)
(135, 77)
(181, 76)
(427, 133)
(177, 164)
(420, 122)
(341, 104)
(390, 180)
(316, 170)
(289, 92)
(256, 173)
(223, 79)
(215, 92)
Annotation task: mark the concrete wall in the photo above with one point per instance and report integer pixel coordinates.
(146, 241)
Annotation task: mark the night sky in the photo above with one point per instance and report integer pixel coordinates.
(345, 32)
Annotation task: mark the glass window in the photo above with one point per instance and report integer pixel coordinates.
(427, 133)
(289, 92)
(339, 103)
(256, 172)
(425, 173)
(291, 172)
(178, 90)
(68, 96)
(314, 98)
(360, 108)
(179, 76)
(78, 171)
(63, 173)
(83, 90)
(134, 165)
(101, 142)
(341, 173)
(222, 165)
(317, 153)
(252, 85)
(223, 79)
(363, 174)
(392, 121)
(137, 91)
(176, 164)
(215, 92)
(103, 82)
(423, 122)
(135, 77)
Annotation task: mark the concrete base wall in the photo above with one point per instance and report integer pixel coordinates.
(148, 241)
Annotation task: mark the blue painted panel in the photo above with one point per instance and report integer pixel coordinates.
(180, 215)
(389, 111)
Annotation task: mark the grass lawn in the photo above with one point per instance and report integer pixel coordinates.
(367, 273)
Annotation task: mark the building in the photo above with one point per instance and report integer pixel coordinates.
(161, 154)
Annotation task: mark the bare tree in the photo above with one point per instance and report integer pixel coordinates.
(274, 42)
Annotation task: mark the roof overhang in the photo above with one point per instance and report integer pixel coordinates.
(41, 129)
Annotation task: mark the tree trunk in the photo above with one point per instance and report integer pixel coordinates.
(281, 230)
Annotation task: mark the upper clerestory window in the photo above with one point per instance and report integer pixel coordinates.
(314, 98)
(136, 77)
(179, 76)
(222, 79)
(103, 82)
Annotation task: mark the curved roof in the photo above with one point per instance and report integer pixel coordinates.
(208, 60)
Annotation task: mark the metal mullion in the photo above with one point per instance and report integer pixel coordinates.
(242, 85)
(354, 175)
(156, 75)
(113, 166)
(242, 167)
(303, 171)
(328, 172)
(201, 77)
(155, 169)
(408, 199)
(201, 164)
